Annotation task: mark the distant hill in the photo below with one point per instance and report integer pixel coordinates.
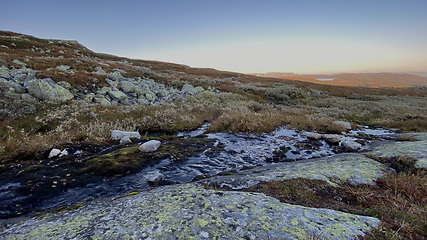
(372, 80)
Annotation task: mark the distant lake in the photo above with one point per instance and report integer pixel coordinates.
(324, 79)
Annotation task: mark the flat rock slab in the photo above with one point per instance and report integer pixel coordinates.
(416, 150)
(352, 167)
(191, 212)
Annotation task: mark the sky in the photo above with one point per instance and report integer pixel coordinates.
(305, 36)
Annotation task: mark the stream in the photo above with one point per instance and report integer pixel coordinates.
(229, 152)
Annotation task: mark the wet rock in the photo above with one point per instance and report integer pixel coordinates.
(342, 124)
(153, 177)
(176, 212)
(117, 134)
(313, 135)
(351, 146)
(332, 139)
(352, 167)
(54, 153)
(46, 89)
(416, 150)
(150, 146)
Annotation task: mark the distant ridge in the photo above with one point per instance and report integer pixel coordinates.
(372, 80)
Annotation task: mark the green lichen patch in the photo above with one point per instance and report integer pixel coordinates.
(401, 155)
(353, 168)
(191, 212)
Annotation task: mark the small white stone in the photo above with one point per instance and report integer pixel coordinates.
(125, 140)
(54, 152)
(150, 146)
(63, 153)
(204, 234)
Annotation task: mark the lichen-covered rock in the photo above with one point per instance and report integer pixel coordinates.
(191, 212)
(117, 95)
(46, 89)
(13, 86)
(116, 76)
(416, 150)
(127, 87)
(65, 85)
(150, 146)
(4, 72)
(101, 100)
(150, 96)
(352, 167)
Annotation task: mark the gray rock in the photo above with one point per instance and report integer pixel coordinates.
(127, 87)
(332, 139)
(352, 167)
(112, 83)
(64, 68)
(117, 134)
(89, 97)
(54, 153)
(143, 101)
(22, 78)
(153, 177)
(101, 100)
(351, 146)
(140, 90)
(150, 96)
(117, 95)
(4, 72)
(46, 89)
(100, 71)
(313, 135)
(116, 76)
(150, 146)
(181, 211)
(345, 125)
(65, 85)
(28, 97)
(125, 140)
(13, 86)
(104, 90)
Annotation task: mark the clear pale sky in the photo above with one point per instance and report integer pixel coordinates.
(312, 36)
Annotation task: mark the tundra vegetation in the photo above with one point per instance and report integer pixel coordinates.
(233, 102)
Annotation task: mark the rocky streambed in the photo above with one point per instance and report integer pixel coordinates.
(231, 161)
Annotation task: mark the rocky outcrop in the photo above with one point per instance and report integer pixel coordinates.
(46, 89)
(180, 211)
(352, 167)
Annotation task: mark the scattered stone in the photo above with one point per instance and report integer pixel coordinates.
(313, 135)
(117, 95)
(332, 139)
(150, 146)
(54, 153)
(351, 145)
(64, 68)
(153, 177)
(125, 140)
(63, 153)
(345, 125)
(117, 134)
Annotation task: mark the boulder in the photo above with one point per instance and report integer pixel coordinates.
(46, 89)
(332, 139)
(13, 86)
(4, 72)
(116, 76)
(117, 134)
(54, 153)
(127, 86)
(104, 90)
(351, 145)
(345, 125)
(150, 96)
(117, 95)
(150, 146)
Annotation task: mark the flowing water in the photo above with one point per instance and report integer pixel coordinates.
(230, 152)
